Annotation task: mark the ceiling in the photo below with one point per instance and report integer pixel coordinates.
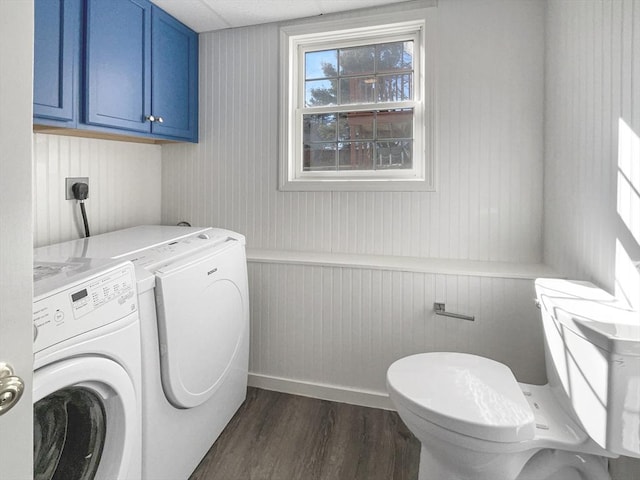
(208, 15)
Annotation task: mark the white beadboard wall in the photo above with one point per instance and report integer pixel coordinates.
(593, 140)
(333, 332)
(490, 139)
(124, 185)
(592, 151)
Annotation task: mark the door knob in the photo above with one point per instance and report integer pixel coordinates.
(11, 388)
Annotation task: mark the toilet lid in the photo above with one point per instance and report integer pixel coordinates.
(463, 393)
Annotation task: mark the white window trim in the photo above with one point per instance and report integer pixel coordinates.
(295, 39)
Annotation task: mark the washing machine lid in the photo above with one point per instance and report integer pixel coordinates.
(116, 244)
(467, 394)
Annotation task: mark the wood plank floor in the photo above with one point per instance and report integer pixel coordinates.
(275, 436)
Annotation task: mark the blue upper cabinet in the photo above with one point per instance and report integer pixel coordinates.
(141, 70)
(118, 64)
(56, 43)
(122, 67)
(174, 73)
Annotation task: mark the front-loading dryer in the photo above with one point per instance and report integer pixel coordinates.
(194, 312)
(87, 371)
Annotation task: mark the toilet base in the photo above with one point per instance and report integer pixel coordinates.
(562, 465)
(437, 463)
(546, 464)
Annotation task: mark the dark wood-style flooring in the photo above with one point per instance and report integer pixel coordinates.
(275, 436)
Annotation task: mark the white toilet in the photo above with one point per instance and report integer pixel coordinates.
(476, 422)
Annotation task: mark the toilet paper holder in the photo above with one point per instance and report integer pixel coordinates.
(439, 309)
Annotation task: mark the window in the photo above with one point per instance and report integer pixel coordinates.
(356, 113)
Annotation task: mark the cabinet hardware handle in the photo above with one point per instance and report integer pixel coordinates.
(159, 119)
(150, 118)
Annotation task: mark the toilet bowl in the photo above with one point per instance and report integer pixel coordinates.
(476, 422)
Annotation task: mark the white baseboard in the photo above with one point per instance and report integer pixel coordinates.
(322, 391)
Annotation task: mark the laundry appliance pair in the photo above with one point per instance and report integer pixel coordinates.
(192, 294)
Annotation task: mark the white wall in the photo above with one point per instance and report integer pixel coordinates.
(314, 328)
(592, 215)
(489, 201)
(592, 118)
(341, 328)
(124, 185)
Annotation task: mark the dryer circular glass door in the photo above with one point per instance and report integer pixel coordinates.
(86, 420)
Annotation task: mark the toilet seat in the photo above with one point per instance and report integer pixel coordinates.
(467, 394)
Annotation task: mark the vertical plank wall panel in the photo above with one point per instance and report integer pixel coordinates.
(343, 327)
(592, 118)
(592, 86)
(489, 122)
(124, 181)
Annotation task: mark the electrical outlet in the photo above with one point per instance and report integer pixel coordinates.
(68, 183)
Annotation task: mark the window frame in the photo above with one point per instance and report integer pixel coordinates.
(295, 41)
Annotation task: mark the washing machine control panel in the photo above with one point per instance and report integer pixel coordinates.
(85, 305)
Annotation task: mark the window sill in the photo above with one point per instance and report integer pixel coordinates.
(472, 268)
(356, 186)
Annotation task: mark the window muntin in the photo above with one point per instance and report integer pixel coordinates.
(354, 116)
(375, 73)
(359, 140)
(361, 76)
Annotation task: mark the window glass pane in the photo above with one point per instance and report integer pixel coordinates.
(394, 154)
(392, 57)
(356, 126)
(319, 156)
(369, 140)
(357, 90)
(356, 155)
(319, 128)
(320, 92)
(395, 88)
(321, 64)
(395, 124)
(357, 60)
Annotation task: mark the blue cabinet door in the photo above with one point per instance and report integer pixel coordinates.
(174, 77)
(118, 62)
(56, 43)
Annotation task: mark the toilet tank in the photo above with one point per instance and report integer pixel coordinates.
(592, 354)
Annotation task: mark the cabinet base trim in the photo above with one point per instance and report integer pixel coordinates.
(70, 132)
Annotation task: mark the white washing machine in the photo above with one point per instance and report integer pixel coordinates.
(194, 311)
(87, 371)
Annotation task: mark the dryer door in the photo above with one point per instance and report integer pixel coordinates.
(203, 315)
(85, 420)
